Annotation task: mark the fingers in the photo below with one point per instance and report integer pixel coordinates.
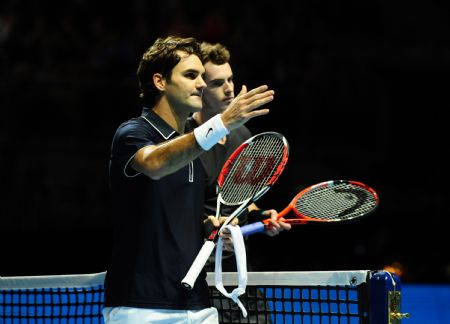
(244, 106)
(214, 221)
(284, 226)
(227, 240)
(222, 220)
(275, 226)
(258, 93)
(243, 91)
(256, 98)
(270, 213)
(225, 233)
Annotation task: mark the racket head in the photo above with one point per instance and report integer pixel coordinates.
(252, 168)
(334, 201)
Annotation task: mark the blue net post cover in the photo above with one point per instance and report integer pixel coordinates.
(383, 285)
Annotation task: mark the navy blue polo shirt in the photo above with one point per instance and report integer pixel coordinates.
(158, 224)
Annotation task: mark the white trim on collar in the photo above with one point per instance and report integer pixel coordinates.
(154, 126)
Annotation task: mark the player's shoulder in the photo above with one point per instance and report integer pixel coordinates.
(133, 125)
(133, 122)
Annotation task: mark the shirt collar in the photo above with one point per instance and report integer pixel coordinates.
(157, 123)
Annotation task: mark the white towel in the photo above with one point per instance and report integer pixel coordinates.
(241, 262)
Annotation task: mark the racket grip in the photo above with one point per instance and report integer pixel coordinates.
(198, 264)
(252, 228)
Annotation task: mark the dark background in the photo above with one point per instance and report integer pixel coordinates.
(361, 93)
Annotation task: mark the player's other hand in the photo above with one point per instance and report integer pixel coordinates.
(275, 226)
(213, 223)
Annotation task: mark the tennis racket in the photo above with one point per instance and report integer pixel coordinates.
(326, 202)
(248, 174)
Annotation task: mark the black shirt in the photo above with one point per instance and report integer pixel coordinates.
(158, 224)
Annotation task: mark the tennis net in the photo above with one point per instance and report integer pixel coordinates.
(271, 297)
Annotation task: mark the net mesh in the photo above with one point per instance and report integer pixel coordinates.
(293, 297)
(52, 305)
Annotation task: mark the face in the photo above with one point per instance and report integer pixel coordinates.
(220, 87)
(185, 87)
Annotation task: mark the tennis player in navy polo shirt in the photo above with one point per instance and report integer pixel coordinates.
(157, 188)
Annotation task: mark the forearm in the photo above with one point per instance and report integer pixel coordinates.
(168, 157)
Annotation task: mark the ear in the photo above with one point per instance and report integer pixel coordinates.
(159, 81)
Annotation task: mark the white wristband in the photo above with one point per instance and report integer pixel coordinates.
(210, 132)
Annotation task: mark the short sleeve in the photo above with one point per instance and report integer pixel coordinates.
(129, 138)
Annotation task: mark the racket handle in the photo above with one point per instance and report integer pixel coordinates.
(199, 262)
(252, 228)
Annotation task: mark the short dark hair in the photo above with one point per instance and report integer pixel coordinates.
(162, 57)
(214, 53)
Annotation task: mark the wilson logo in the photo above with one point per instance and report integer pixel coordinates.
(253, 170)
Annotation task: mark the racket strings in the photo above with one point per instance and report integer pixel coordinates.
(342, 201)
(253, 169)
